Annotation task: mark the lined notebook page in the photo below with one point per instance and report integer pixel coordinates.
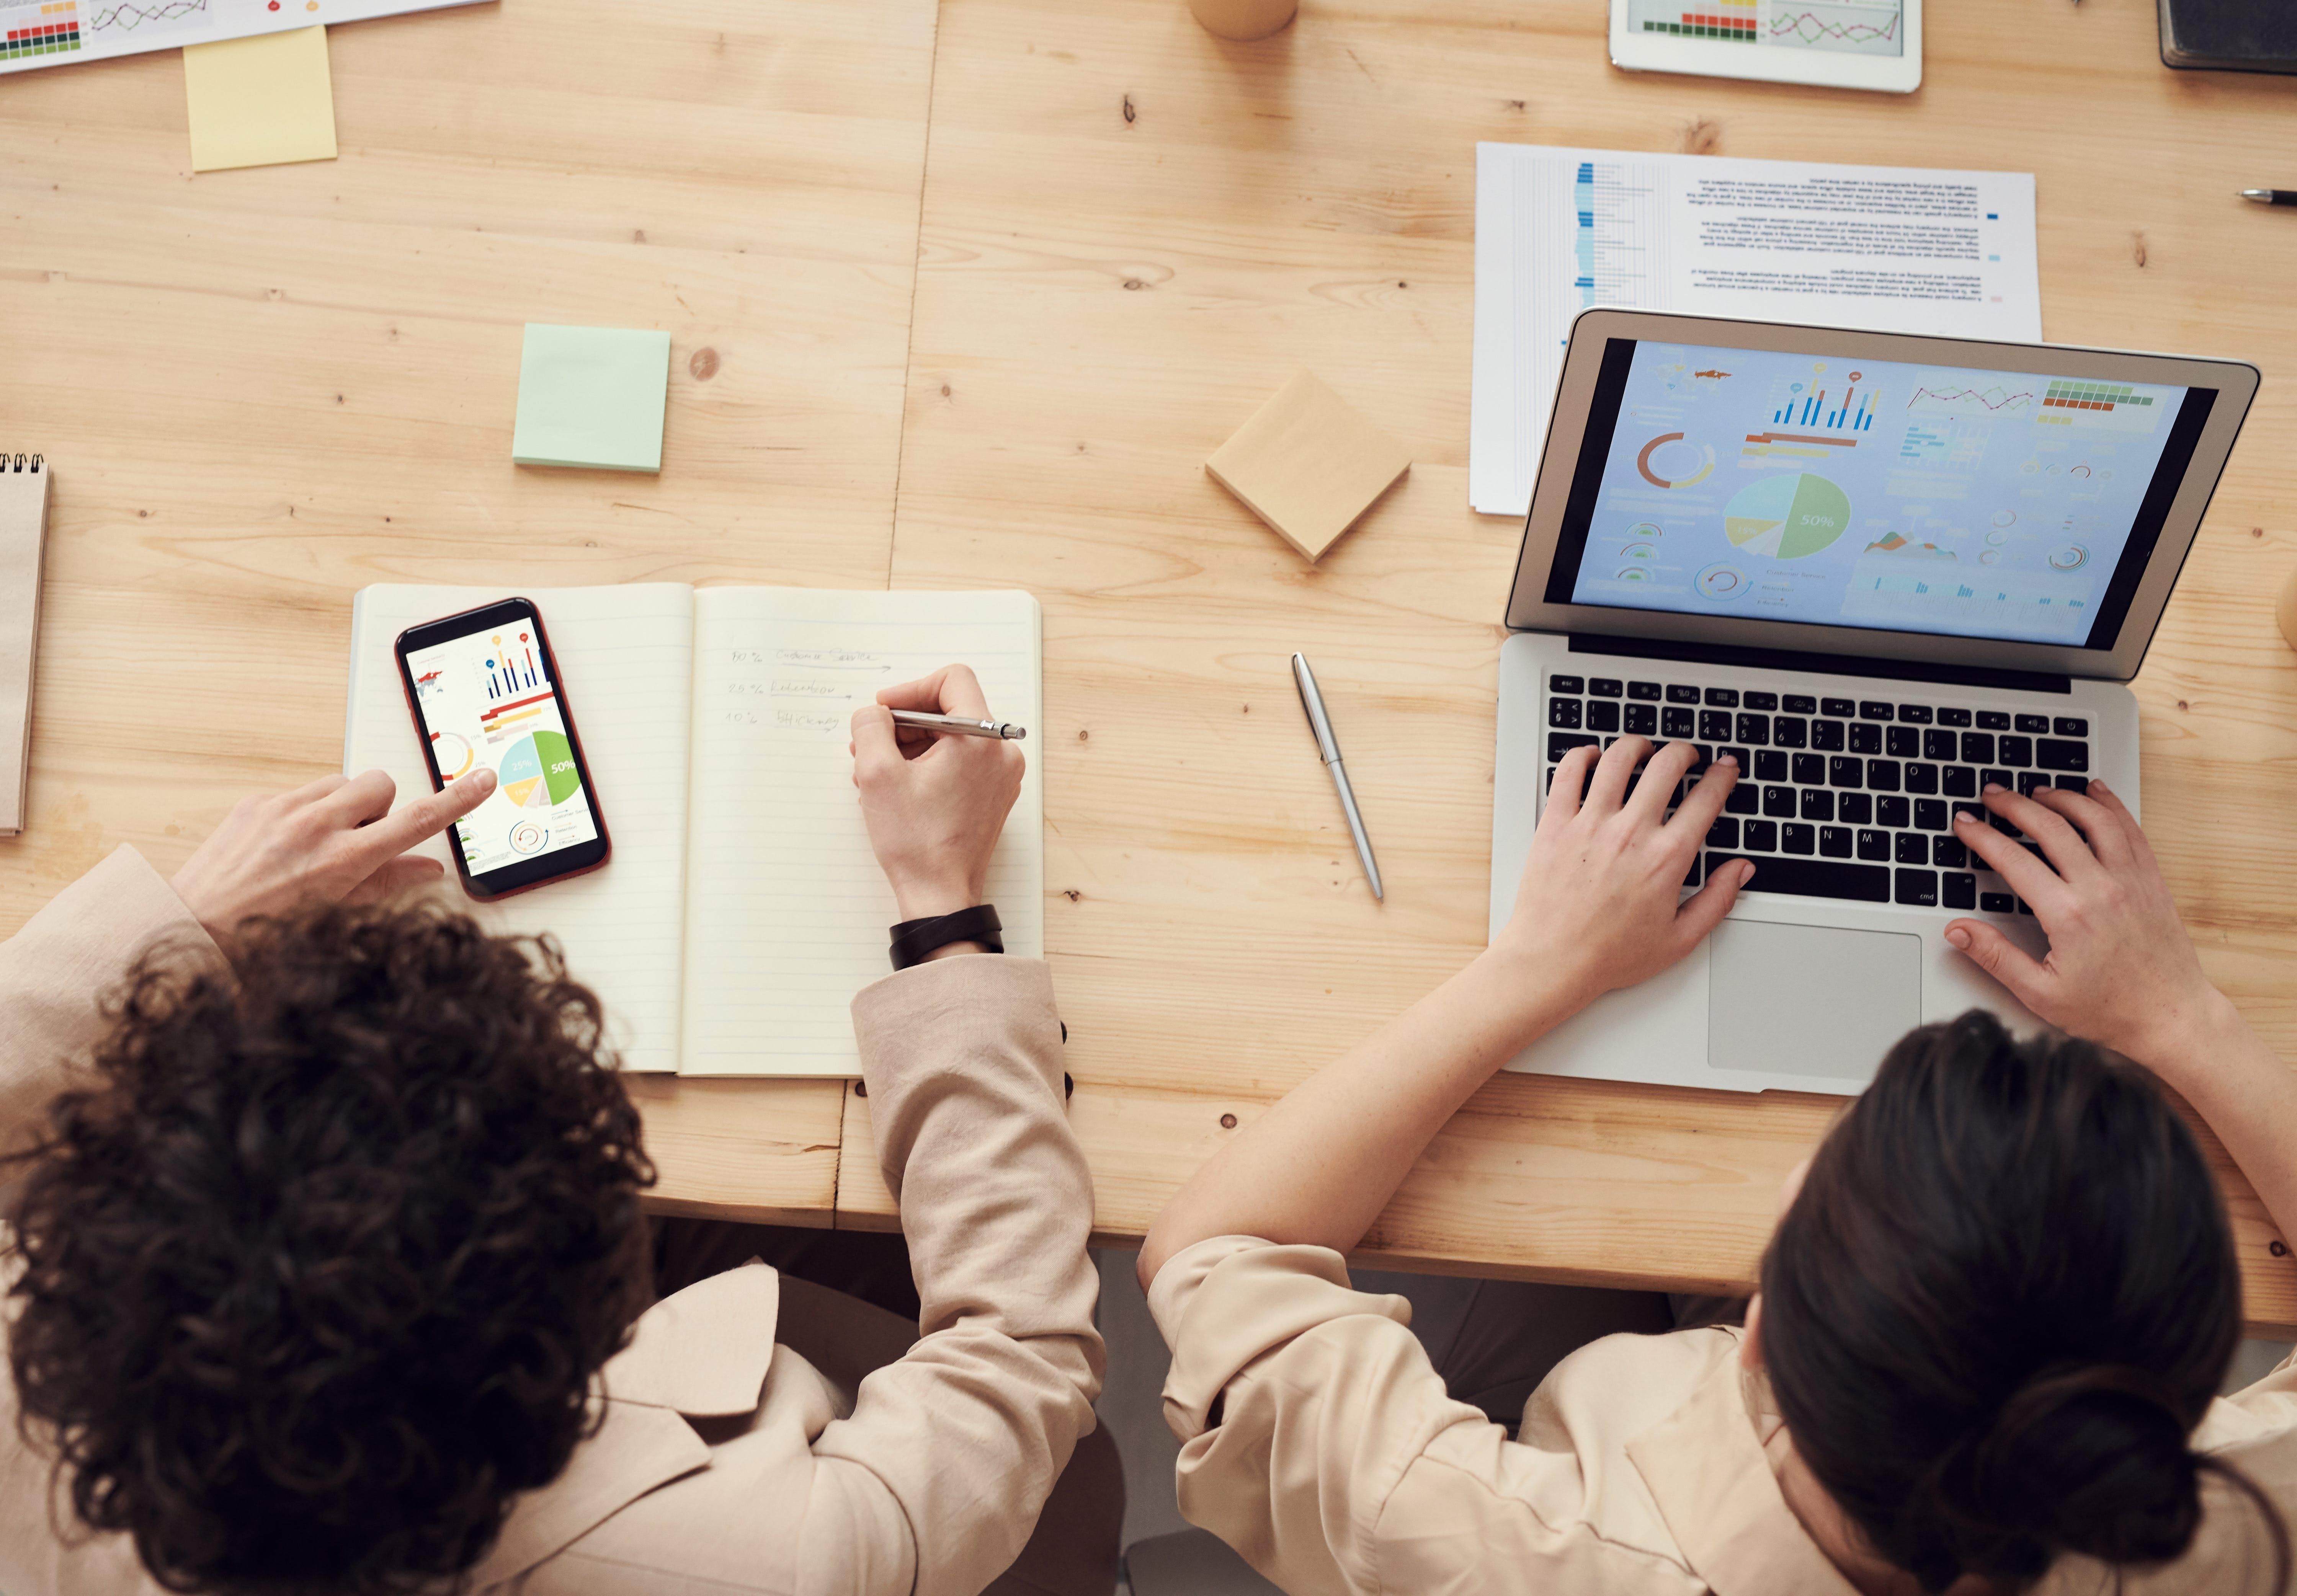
(626, 657)
(786, 910)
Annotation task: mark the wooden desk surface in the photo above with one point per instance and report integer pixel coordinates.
(1134, 233)
(263, 389)
(1131, 235)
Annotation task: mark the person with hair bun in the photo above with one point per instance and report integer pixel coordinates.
(1992, 1322)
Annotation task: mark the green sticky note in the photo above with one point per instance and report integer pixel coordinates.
(592, 396)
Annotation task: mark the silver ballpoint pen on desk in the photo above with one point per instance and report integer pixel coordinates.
(959, 726)
(1328, 749)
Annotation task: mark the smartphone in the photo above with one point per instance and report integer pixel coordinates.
(484, 690)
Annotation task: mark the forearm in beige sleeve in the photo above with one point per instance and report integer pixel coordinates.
(971, 1429)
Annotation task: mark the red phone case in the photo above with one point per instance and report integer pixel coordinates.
(574, 738)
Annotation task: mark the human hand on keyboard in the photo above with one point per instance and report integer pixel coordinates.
(2122, 970)
(1600, 903)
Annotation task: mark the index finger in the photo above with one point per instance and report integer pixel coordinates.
(952, 690)
(425, 817)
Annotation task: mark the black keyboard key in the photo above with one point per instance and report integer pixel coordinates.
(1644, 692)
(2031, 782)
(1826, 735)
(1817, 804)
(1961, 891)
(1840, 708)
(1814, 878)
(1779, 803)
(1724, 833)
(1745, 799)
(1703, 756)
(1865, 738)
(1642, 720)
(1760, 701)
(1760, 837)
(1674, 722)
(1871, 709)
(1801, 704)
(1722, 698)
(1977, 748)
(1798, 838)
(1563, 712)
(2025, 907)
(1993, 720)
(1678, 694)
(1922, 779)
(1745, 760)
(1973, 810)
(1954, 716)
(2004, 826)
(1995, 778)
(1948, 853)
(1919, 888)
(1929, 814)
(2017, 753)
(1810, 770)
(2071, 725)
(1559, 743)
(1602, 716)
(2034, 723)
(1604, 687)
(1834, 841)
(1882, 775)
(1714, 726)
(1874, 846)
(1958, 781)
(1770, 765)
(1913, 848)
(1566, 684)
(1755, 729)
(2053, 755)
(1789, 731)
(2072, 784)
(1940, 747)
(1892, 812)
(1902, 742)
(1854, 808)
(1914, 714)
(1843, 771)
(1998, 903)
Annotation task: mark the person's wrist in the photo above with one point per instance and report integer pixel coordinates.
(930, 900)
(2190, 1036)
(1545, 982)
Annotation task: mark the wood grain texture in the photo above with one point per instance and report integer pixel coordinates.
(262, 390)
(1133, 231)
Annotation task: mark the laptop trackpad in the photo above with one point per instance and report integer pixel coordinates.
(1809, 999)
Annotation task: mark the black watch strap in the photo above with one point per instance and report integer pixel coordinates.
(913, 940)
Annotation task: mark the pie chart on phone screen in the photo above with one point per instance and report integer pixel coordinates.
(538, 770)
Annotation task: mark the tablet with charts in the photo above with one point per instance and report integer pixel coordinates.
(1844, 44)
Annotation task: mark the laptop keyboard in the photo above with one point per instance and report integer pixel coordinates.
(1848, 798)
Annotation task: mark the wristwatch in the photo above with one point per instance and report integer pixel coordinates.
(914, 940)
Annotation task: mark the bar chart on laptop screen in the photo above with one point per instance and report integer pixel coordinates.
(1845, 27)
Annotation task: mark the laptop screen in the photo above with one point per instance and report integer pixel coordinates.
(1779, 487)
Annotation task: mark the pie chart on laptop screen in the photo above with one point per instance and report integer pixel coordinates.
(1787, 517)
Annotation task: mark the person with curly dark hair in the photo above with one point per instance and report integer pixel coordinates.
(1993, 1320)
(329, 1275)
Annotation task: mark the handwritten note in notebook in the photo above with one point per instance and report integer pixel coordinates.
(743, 908)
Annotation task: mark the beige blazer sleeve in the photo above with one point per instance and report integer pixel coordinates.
(55, 973)
(1318, 1440)
(968, 1432)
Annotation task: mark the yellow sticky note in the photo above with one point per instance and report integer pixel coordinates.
(263, 101)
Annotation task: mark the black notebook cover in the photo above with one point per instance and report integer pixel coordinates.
(2232, 36)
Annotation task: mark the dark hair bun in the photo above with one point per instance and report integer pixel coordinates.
(2092, 1459)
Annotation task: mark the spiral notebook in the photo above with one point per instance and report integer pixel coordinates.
(742, 909)
(24, 481)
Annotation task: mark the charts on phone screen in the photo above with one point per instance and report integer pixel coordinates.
(1845, 27)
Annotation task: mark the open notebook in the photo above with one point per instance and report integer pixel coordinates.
(742, 909)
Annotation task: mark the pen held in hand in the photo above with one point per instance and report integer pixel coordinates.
(959, 726)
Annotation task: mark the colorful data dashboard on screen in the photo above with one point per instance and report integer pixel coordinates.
(1782, 487)
(486, 700)
(1847, 27)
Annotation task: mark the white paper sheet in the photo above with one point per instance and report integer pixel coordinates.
(1894, 249)
(57, 33)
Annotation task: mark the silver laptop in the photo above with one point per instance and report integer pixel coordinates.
(1882, 570)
